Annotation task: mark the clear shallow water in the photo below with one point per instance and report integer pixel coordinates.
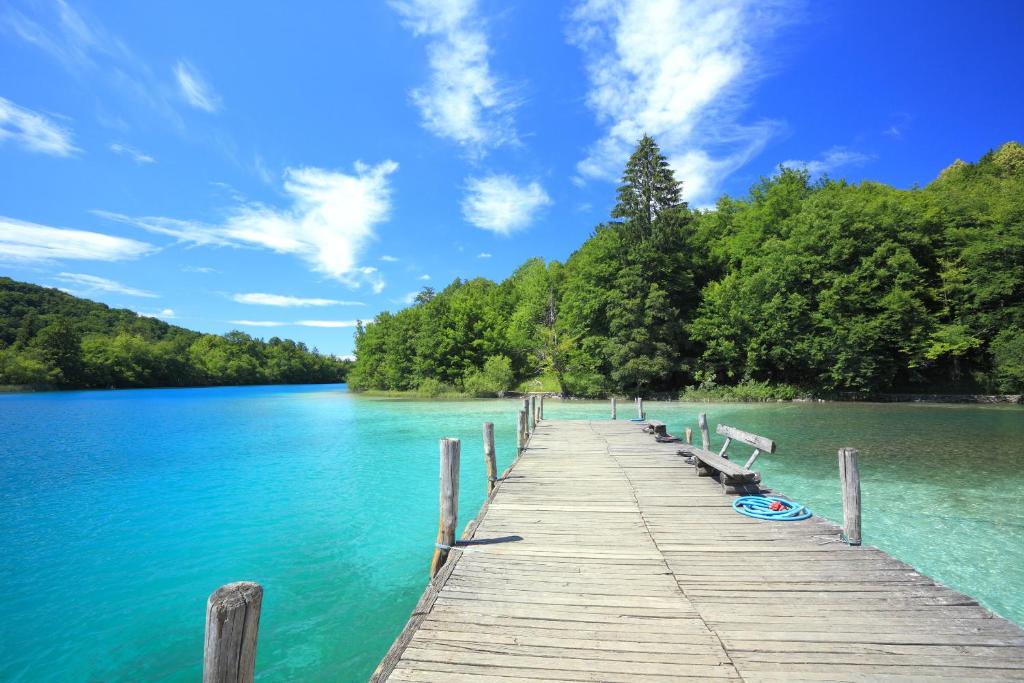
(121, 511)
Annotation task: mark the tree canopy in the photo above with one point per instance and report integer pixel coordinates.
(48, 337)
(825, 285)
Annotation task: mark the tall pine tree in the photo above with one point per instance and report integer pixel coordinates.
(648, 188)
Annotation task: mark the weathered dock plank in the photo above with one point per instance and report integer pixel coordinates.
(602, 557)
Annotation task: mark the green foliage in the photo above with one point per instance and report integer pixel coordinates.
(1008, 360)
(494, 379)
(800, 286)
(749, 391)
(55, 339)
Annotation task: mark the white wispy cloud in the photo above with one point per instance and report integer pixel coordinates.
(199, 269)
(102, 284)
(500, 204)
(327, 323)
(329, 223)
(372, 276)
(34, 131)
(72, 40)
(137, 156)
(195, 89)
(262, 299)
(90, 53)
(407, 299)
(23, 241)
(463, 101)
(831, 160)
(259, 166)
(423, 277)
(389, 259)
(676, 70)
(165, 314)
(484, 254)
(297, 323)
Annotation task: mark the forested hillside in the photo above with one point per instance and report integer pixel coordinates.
(48, 337)
(801, 286)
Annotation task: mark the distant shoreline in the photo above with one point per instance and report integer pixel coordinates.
(48, 388)
(982, 399)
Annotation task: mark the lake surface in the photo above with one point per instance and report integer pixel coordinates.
(121, 511)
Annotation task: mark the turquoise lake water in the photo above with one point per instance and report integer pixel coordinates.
(121, 511)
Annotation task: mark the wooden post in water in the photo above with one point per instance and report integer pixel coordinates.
(542, 406)
(489, 460)
(449, 503)
(521, 432)
(640, 408)
(705, 436)
(232, 623)
(526, 409)
(689, 436)
(533, 413)
(613, 408)
(849, 477)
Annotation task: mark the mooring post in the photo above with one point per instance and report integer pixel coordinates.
(849, 477)
(640, 408)
(689, 436)
(449, 503)
(232, 623)
(541, 407)
(526, 409)
(521, 432)
(533, 413)
(489, 460)
(705, 436)
(613, 408)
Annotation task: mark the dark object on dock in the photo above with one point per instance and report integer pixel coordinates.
(657, 428)
(660, 432)
(232, 624)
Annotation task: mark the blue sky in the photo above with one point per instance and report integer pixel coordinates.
(286, 169)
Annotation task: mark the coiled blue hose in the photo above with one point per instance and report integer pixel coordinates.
(757, 507)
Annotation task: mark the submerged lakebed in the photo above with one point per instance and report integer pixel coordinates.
(121, 511)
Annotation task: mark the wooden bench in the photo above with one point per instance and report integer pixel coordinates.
(730, 474)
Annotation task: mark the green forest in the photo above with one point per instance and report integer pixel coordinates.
(803, 287)
(51, 339)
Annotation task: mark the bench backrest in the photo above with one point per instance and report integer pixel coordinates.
(760, 444)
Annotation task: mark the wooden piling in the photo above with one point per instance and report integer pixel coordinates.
(705, 435)
(489, 459)
(232, 623)
(521, 431)
(541, 407)
(533, 413)
(689, 436)
(613, 408)
(640, 408)
(849, 477)
(449, 502)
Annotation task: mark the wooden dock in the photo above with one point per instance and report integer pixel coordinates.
(602, 557)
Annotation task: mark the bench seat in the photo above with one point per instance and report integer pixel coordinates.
(727, 468)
